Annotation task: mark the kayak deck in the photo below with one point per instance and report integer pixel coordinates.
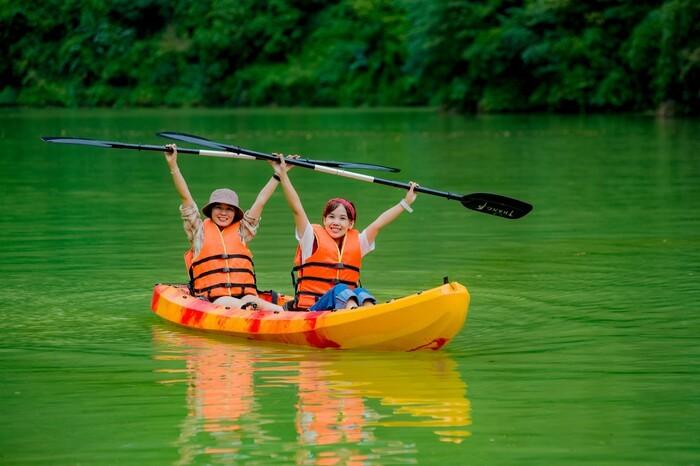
(427, 320)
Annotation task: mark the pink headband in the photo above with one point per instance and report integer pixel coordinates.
(345, 203)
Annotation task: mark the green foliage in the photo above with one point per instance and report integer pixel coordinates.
(490, 56)
(557, 55)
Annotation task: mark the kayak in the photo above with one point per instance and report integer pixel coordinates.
(426, 320)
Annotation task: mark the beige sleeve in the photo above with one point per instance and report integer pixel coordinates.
(249, 227)
(193, 226)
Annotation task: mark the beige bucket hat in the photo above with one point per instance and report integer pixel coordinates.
(223, 196)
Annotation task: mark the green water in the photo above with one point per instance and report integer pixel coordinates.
(581, 345)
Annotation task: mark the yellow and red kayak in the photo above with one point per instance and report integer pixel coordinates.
(427, 320)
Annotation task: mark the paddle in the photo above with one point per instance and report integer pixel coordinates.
(122, 145)
(227, 153)
(209, 153)
(192, 139)
(492, 204)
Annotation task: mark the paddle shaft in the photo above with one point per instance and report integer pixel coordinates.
(492, 204)
(193, 139)
(247, 154)
(208, 153)
(385, 182)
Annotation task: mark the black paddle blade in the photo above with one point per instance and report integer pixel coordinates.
(495, 204)
(192, 139)
(86, 142)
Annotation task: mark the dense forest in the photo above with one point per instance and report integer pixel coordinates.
(468, 56)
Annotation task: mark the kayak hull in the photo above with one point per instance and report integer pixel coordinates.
(422, 321)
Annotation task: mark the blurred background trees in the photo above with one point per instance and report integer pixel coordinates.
(470, 56)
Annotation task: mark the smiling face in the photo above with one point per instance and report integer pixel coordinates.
(223, 214)
(337, 222)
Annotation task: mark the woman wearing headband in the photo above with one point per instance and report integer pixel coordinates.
(329, 256)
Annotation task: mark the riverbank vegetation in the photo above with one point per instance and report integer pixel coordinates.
(470, 56)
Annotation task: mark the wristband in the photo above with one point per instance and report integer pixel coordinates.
(276, 176)
(405, 206)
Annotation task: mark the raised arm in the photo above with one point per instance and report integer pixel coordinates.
(178, 179)
(391, 214)
(300, 218)
(264, 195)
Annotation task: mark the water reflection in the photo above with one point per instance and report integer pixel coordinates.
(220, 398)
(345, 406)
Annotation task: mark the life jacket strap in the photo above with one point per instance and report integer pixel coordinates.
(310, 293)
(334, 266)
(222, 256)
(242, 286)
(333, 281)
(195, 291)
(225, 270)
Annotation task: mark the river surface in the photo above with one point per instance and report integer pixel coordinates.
(581, 345)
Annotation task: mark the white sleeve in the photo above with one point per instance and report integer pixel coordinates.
(306, 242)
(365, 247)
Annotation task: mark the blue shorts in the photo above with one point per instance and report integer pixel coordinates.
(338, 296)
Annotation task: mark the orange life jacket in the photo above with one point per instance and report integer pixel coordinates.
(326, 266)
(224, 266)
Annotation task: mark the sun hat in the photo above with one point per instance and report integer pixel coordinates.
(223, 196)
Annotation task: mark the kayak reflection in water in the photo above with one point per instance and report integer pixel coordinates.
(219, 262)
(329, 256)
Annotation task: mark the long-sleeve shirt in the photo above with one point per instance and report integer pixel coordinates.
(193, 225)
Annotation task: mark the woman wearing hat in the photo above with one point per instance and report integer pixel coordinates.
(219, 262)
